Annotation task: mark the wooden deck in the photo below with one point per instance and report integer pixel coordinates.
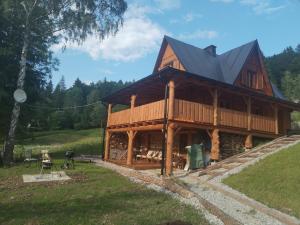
(193, 112)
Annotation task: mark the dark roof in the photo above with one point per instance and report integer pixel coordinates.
(224, 68)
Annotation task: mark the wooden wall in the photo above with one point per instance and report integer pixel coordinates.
(261, 81)
(169, 56)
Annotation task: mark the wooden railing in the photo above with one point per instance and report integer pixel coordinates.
(263, 123)
(152, 111)
(193, 112)
(233, 118)
(188, 111)
(121, 117)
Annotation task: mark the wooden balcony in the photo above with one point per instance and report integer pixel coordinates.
(187, 111)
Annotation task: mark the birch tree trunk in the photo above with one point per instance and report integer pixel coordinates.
(10, 139)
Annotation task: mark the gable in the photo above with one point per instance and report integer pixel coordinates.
(168, 58)
(253, 74)
(229, 67)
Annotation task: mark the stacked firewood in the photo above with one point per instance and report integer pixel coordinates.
(118, 146)
(231, 144)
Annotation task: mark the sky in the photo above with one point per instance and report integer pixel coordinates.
(131, 53)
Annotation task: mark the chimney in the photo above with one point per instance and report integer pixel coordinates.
(211, 49)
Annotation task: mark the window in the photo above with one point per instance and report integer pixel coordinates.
(251, 79)
(171, 64)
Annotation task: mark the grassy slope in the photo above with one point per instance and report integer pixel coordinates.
(94, 195)
(274, 181)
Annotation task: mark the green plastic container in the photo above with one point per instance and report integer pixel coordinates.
(196, 156)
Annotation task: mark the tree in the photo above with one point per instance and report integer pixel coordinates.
(291, 86)
(69, 20)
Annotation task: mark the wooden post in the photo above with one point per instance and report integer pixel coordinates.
(249, 112)
(131, 134)
(132, 104)
(169, 152)
(170, 129)
(215, 105)
(107, 145)
(215, 145)
(276, 119)
(171, 100)
(248, 142)
(109, 108)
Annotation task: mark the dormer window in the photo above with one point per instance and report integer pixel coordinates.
(251, 79)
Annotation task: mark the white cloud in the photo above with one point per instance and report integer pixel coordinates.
(258, 6)
(138, 37)
(189, 17)
(262, 6)
(199, 34)
(168, 4)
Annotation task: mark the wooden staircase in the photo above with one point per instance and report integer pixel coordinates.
(230, 163)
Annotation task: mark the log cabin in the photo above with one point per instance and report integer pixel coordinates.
(224, 101)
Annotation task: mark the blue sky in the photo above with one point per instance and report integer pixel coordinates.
(131, 54)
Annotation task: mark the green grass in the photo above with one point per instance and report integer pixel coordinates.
(274, 181)
(94, 195)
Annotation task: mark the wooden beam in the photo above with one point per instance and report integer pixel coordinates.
(169, 152)
(141, 128)
(107, 145)
(248, 142)
(215, 145)
(249, 115)
(109, 108)
(132, 105)
(131, 134)
(171, 99)
(215, 105)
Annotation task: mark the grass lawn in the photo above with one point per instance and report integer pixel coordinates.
(274, 181)
(94, 196)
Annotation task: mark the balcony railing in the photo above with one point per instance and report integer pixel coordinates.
(262, 123)
(194, 112)
(233, 118)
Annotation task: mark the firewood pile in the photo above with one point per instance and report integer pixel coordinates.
(231, 144)
(118, 146)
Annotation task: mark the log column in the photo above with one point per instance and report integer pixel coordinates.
(170, 129)
(249, 113)
(107, 134)
(215, 105)
(132, 105)
(131, 134)
(249, 142)
(107, 145)
(215, 145)
(169, 153)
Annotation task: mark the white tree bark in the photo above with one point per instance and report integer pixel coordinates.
(10, 139)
